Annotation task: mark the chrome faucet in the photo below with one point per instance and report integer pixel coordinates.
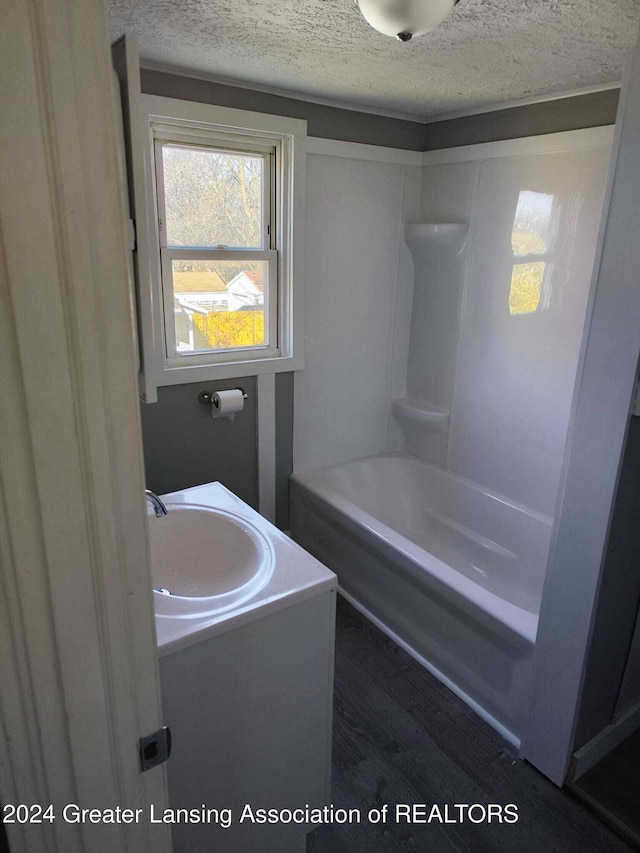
(158, 507)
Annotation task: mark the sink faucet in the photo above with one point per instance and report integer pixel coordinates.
(158, 507)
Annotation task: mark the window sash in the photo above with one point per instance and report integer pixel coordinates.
(271, 347)
(194, 138)
(268, 155)
(213, 136)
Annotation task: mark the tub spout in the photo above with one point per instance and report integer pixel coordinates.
(158, 507)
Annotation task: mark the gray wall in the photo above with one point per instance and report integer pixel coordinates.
(592, 110)
(182, 446)
(284, 445)
(322, 121)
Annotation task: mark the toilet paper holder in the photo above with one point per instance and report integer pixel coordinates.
(224, 403)
(206, 397)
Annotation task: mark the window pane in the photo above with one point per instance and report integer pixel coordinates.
(213, 197)
(526, 287)
(219, 305)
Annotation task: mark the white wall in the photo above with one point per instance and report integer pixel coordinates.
(357, 287)
(600, 417)
(507, 380)
(510, 392)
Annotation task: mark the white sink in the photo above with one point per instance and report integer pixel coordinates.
(185, 557)
(205, 560)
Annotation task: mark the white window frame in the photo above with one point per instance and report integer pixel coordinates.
(268, 252)
(169, 120)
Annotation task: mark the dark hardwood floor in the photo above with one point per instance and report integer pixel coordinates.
(401, 737)
(612, 789)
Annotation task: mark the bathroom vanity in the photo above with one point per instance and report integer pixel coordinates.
(246, 641)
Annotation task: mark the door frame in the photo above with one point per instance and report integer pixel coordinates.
(78, 663)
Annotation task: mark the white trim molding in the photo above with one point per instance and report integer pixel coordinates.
(601, 745)
(361, 151)
(546, 143)
(290, 135)
(78, 662)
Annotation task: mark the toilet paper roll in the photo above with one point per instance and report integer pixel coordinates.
(226, 403)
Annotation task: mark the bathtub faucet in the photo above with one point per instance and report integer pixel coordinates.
(158, 507)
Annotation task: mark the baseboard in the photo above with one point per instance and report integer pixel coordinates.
(614, 823)
(601, 745)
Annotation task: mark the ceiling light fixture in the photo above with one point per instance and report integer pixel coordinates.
(405, 19)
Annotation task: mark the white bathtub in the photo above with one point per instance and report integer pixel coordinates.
(451, 571)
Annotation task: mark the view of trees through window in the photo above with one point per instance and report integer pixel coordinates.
(212, 197)
(214, 200)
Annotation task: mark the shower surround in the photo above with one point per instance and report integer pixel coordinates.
(441, 534)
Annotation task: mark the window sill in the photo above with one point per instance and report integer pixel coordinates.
(228, 370)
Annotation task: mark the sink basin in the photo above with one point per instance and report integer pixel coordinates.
(205, 560)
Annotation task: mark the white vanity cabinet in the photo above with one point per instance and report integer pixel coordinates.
(247, 695)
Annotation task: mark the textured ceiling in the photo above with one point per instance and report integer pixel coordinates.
(486, 52)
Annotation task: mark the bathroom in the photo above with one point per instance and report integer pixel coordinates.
(483, 380)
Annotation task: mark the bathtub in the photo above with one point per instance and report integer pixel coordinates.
(449, 570)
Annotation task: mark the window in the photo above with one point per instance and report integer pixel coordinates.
(219, 259)
(225, 260)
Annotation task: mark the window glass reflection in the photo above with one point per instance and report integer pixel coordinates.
(531, 244)
(526, 287)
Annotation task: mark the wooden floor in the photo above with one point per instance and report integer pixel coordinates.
(612, 789)
(401, 737)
